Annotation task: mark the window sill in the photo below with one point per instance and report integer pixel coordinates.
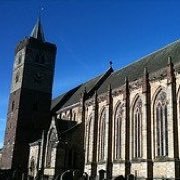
(49, 168)
(118, 161)
(101, 162)
(88, 163)
(163, 159)
(138, 159)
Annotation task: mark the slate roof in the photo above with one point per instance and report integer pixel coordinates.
(154, 62)
(63, 125)
(60, 100)
(73, 96)
(77, 95)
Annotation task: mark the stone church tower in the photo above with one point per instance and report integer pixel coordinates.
(30, 97)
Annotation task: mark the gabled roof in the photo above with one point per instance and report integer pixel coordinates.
(60, 100)
(37, 31)
(153, 62)
(73, 96)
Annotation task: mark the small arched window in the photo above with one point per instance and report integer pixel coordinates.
(161, 129)
(12, 106)
(102, 135)
(137, 129)
(17, 77)
(19, 60)
(118, 117)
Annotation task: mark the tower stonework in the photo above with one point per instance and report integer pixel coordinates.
(30, 98)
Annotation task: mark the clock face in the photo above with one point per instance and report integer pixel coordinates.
(38, 77)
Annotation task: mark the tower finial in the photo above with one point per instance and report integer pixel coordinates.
(110, 64)
(37, 31)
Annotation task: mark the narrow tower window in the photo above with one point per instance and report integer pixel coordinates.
(12, 106)
(17, 77)
(19, 59)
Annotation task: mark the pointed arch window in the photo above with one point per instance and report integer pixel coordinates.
(32, 166)
(89, 132)
(51, 147)
(19, 60)
(161, 129)
(137, 129)
(17, 77)
(118, 131)
(12, 105)
(102, 134)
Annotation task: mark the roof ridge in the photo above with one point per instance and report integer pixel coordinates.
(109, 71)
(147, 55)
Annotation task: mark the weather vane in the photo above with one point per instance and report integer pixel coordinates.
(40, 10)
(110, 63)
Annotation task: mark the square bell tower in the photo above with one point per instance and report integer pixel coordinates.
(30, 97)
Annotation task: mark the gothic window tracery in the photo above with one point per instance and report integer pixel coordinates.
(161, 131)
(89, 129)
(102, 133)
(118, 131)
(51, 146)
(32, 165)
(137, 129)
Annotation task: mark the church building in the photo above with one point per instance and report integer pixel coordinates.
(119, 123)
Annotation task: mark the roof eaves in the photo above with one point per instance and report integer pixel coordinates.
(64, 99)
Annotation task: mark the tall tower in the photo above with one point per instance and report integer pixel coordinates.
(30, 97)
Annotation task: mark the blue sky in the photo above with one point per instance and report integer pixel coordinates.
(88, 34)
